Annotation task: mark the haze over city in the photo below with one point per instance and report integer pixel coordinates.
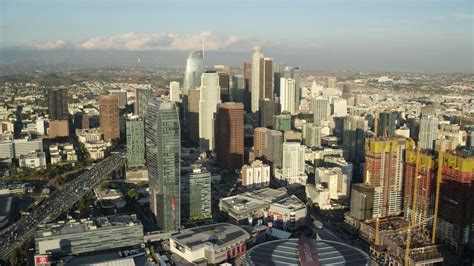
(422, 36)
(236, 133)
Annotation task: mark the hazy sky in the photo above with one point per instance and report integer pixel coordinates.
(414, 34)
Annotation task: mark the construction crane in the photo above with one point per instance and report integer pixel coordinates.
(414, 206)
(439, 178)
(376, 123)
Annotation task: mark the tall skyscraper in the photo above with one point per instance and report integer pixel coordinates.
(121, 96)
(320, 108)
(109, 117)
(57, 104)
(142, 96)
(224, 81)
(247, 85)
(268, 109)
(238, 89)
(255, 83)
(196, 194)
(339, 107)
(81, 120)
(311, 135)
(293, 73)
(259, 139)
(163, 151)
(386, 124)
(230, 135)
(428, 132)
(331, 83)
(193, 115)
(274, 148)
(174, 91)
(194, 70)
(287, 95)
(353, 138)
(384, 172)
(135, 141)
(293, 163)
(209, 98)
(266, 78)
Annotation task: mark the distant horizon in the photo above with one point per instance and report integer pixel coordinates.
(149, 59)
(382, 35)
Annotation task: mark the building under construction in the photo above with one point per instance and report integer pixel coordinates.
(455, 224)
(426, 183)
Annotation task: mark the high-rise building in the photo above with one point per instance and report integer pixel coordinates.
(57, 104)
(255, 175)
(320, 108)
(268, 108)
(109, 117)
(223, 72)
(58, 128)
(196, 194)
(266, 78)
(259, 139)
(293, 163)
(174, 91)
(384, 172)
(121, 96)
(428, 132)
(353, 138)
(142, 96)
(311, 135)
(287, 95)
(135, 141)
(295, 74)
(194, 97)
(255, 80)
(238, 89)
(331, 83)
(426, 184)
(163, 152)
(230, 135)
(339, 107)
(81, 120)
(274, 148)
(194, 70)
(209, 98)
(282, 121)
(386, 124)
(362, 202)
(247, 85)
(456, 201)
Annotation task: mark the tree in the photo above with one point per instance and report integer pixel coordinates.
(133, 194)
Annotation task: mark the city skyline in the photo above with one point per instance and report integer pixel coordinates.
(427, 36)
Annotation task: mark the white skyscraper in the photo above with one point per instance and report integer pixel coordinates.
(210, 92)
(174, 91)
(194, 69)
(428, 131)
(320, 108)
(293, 163)
(255, 84)
(287, 95)
(339, 107)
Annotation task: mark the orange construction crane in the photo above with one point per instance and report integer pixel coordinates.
(439, 178)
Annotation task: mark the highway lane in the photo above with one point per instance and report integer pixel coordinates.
(59, 202)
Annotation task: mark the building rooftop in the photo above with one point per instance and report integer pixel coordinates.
(292, 202)
(85, 225)
(305, 251)
(215, 234)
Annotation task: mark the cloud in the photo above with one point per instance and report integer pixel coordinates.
(154, 42)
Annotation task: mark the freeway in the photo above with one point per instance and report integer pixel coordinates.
(56, 204)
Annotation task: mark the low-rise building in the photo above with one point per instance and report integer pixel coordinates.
(33, 160)
(88, 235)
(290, 211)
(210, 244)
